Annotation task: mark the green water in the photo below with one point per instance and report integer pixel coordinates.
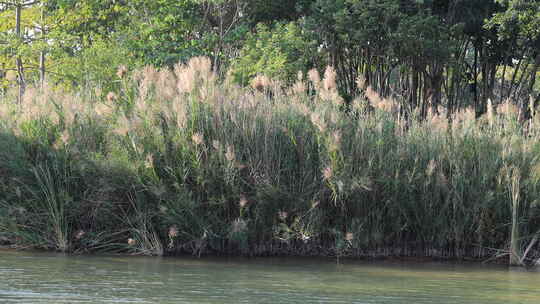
(51, 278)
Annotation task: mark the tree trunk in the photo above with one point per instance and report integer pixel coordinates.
(42, 68)
(20, 69)
(42, 54)
(475, 79)
(414, 88)
(533, 73)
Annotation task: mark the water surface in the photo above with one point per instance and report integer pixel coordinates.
(52, 278)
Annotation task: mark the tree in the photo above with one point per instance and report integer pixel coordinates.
(161, 32)
(520, 24)
(268, 12)
(279, 52)
(14, 39)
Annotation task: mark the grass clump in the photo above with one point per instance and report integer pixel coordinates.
(181, 161)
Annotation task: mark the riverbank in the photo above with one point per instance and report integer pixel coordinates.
(387, 256)
(184, 163)
(346, 259)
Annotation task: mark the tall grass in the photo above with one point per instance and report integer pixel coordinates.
(269, 170)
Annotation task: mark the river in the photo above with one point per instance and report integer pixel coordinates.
(53, 278)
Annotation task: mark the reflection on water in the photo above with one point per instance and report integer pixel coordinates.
(50, 278)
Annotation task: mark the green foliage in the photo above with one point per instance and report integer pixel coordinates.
(423, 39)
(432, 53)
(521, 20)
(268, 12)
(279, 52)
(95, 66)
(163, 32)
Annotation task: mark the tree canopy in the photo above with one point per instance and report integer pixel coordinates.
(426, 53)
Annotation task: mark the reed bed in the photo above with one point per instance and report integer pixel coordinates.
(180, 161)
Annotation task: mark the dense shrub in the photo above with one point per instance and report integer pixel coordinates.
(182, 162)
